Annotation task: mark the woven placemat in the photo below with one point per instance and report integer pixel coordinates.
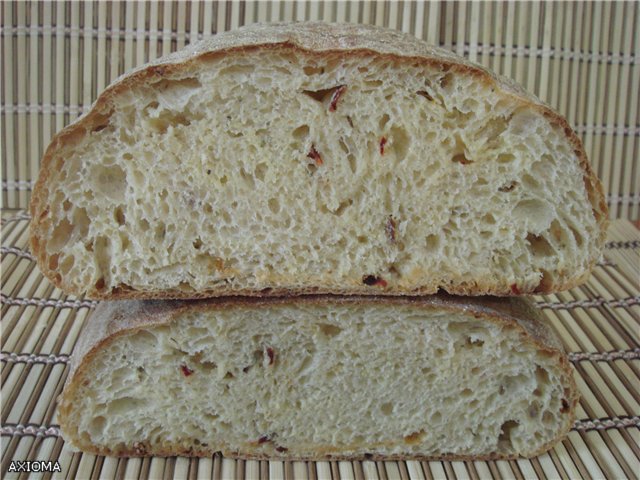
(599, 324)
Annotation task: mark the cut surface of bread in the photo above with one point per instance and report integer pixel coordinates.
(307, 378)
(311, 157)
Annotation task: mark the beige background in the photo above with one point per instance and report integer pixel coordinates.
(581, 58)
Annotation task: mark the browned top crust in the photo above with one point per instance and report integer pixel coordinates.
(311, 37)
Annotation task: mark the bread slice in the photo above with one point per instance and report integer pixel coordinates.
(309, 157)
(318, 376)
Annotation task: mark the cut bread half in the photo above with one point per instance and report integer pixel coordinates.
(298, 158)
(317, 377)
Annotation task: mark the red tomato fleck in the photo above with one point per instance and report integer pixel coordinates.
(186, 371)
(372, 280)
(333, 105)
(272, 355)
(314, 155)
(383, 142)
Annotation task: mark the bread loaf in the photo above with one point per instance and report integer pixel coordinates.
(309, 157)
(317, 377)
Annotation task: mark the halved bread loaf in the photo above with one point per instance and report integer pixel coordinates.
(312, 377)
(309, 157)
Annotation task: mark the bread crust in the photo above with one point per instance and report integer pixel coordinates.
(114, 319)
(310, 39)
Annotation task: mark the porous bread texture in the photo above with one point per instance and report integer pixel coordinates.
(349, 378)
(276, 169)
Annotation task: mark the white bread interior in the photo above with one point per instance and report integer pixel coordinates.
(306, 379)
(274, 168)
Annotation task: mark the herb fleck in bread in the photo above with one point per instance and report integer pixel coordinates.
(309, 157)
(319, 376)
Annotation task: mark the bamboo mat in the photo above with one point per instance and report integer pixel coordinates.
(599, 324)
(582, 58)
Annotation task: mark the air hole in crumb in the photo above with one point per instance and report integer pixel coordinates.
(67, 264)
(474, 342)
(119, 216)
(111, 181)
(99, 128)
(467, 392)
(547, 418)
(260, 171)
(505, 158)
(508, 187)
(577, 236)
(461, 158)
(342, 207)
(343, 145)
(414, 437)
(489, 219)
(386, 408)
(539, 246)
(274, 205)
(353, 164)
(425, 94)
(383, 121)
(401, 142)
(542, 376)
(301, 132)
(329, 330)
(546, 282)
(313, 70)
(53, 261)
(331, 95)
(504, 440)
(565, 406)
(432, 241)
(61, 234)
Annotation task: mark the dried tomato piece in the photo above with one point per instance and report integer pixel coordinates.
(383, 142)
(272, 355)
(333, 105)
(315, 156)
(186, 371)
(372, 280)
